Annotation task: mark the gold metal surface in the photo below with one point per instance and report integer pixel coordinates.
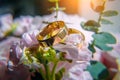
(51, 32)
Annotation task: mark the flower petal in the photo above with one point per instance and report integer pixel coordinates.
(71, 50)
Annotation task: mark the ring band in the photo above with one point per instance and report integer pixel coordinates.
(75, 31)
(52, 31)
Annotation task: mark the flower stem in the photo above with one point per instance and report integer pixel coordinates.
(41, 72)
(47, 71)
(53, 71)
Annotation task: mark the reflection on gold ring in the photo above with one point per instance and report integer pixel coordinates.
(75, 31)
(52, 31)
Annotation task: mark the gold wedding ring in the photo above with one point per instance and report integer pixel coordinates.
(75, 31)
(55, 30)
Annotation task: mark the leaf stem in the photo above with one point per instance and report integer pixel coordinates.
(57, 8)
(100, 17)
(57, 5)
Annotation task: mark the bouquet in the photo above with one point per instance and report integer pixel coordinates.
(42, 49)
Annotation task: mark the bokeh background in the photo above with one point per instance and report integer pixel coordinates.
(88, 13)
(41, 7)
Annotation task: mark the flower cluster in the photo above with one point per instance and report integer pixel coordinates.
(44, 59)
(23, 52)
(50, 48)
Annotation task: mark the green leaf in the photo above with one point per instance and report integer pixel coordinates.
(105, 21)
(82, 24)
(91, 48)
(102, 39)
(90, 25)
(102, 46)
(105, 37)
(110, 13)
(98, 70)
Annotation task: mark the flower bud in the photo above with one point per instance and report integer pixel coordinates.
(98, 5)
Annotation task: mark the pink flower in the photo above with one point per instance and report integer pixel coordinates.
(80, 60)
(23, 24)
(29, 38)
(76, 72)
(16, 52)
(72, 51)
(6, 74)
(5, 24)
(27, 23)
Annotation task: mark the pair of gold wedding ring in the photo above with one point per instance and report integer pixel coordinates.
(55, 32)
